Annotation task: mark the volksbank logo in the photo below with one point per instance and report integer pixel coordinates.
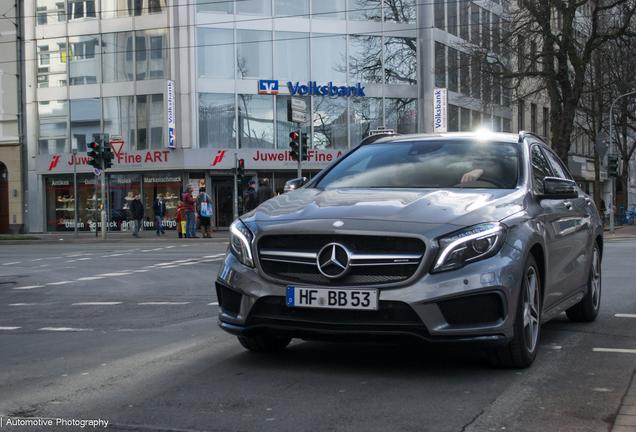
(268, 87)
(312, 88)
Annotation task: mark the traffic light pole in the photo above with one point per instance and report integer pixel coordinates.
(103, 174)
(235, 188)
(300, 150)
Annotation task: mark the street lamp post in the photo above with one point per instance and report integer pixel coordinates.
(75, 200)
(611, 137)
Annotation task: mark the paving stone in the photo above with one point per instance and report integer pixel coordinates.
(625, 420)
(629, 400)
(628, 410)
(618, 428)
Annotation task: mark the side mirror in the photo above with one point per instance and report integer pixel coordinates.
(558, 188)
(295, 184)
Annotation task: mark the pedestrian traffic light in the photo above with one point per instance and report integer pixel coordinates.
(612, 166)
(304, 146)
(295, 145)
(107, 155)
(95, 153)
(240, 171)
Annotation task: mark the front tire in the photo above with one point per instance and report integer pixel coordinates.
(522, 349)
(587, 309)
(264, 343)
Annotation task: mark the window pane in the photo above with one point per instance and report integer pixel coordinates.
(401, 115)
(400, 60)
(291, 7)
(254, 7)
(117, 49)
(53, 127)
(365, 10)
(215, 53)
(365, 59)
(452, 17)
(365, 114)
(218, 6)
(329, 55)
(53, 146)
(50, 11)
(254, 54)
(151, 47)
(53, 108)
(453, 118)
(116, 8)
(401, 11)
(81, 10)
(331, 9)
(283, 126)
(440, 65)
(465, 119)
(256, 121)
(453, 72)
(439, 14)
(142, 122)
(464, 9)
(292, 67)
(474, 21)
(119, 117)
(330, 123)
(85, 116)
(216, 120)
(84, 60)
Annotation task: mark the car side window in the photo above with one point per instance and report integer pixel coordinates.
(557, 165)
(540, 168)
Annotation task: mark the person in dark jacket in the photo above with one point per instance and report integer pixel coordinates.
(159, 207)
(250, 199)
(188, 206)
(264, 192)
(137, 209)
(204, 220)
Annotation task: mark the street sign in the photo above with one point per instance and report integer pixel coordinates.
(299, 116)
(298, 104)
(297, 110)
(602, 144)
(381, 130)
(97, 171)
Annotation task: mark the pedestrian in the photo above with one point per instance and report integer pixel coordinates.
(181, 223)
(188, 206)
(137, 209)
(264, 192)
(204, 212)
(159, 207)
(250, 199)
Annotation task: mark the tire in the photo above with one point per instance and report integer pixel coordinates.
(587, 309)
(522, 349)
(264, 343)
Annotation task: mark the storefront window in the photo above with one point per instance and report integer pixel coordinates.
(216, 120)
(170, 186)
(330, 123)
(85, 122)
(117, 55)
(296, 67)
(329, 54)
(254, 53)
(365, 114)
(119, 118)
(401, 115)
(256, 121)
(215, 52)
(61, 202)
(122, 189)
(83, 59)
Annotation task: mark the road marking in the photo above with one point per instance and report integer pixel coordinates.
(60, 283)
(64, 329)
(71, 256)
(28, 287)
(23, 304)
(214, 256)
(90, 278)
(615, 350)
(625, 315)
(115, 274)
(83, 259)
(141, 271)
(96, 303)
(163, 303)
(9, 328)
(213, 304)
(18, 262)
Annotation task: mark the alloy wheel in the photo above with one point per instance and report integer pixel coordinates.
(531, 309)
(595, 283)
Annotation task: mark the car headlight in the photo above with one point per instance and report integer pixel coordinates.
(240, 239)
(468, 245)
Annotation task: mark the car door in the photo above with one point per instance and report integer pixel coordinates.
(580, 209)
(560, 230)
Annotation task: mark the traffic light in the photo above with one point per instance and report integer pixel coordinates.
(95, 153)
(107, 155)
(240, 171)
(612, 166)
(304, 146)
(295, 145)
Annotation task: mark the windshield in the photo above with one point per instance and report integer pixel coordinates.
(427, 164)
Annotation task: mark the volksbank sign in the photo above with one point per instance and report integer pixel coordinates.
(312, 88)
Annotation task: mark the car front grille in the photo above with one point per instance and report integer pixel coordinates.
(374, 260)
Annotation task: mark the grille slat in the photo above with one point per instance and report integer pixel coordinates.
(373, 259)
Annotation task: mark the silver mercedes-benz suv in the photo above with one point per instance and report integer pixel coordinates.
(457, 237)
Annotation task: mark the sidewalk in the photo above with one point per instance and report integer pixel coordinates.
(620, 232)
(626, 419)
(148, 236)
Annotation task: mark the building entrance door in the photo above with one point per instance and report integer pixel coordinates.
(4, 199)
(223, 201)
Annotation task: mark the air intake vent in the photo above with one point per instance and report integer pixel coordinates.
(473, 309)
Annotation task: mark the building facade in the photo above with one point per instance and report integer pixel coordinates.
(184, 89)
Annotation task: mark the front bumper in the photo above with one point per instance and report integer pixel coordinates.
(473, 304)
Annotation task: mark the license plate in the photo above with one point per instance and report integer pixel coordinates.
(332, 298)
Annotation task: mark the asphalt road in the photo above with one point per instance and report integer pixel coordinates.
(126, 333)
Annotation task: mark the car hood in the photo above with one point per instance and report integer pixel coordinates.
(457, 206)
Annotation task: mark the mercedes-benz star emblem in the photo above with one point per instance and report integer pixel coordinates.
(333, 260)
(338, 224)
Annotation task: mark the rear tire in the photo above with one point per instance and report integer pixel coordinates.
(587, 309)
(522, 349)
(264, 343)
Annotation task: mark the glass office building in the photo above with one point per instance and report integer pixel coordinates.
(105, 68)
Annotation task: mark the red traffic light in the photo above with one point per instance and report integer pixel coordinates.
(93, 145)
(293, 135)
(241, 162)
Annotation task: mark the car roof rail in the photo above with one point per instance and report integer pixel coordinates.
(523, 134)
(376, 136)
